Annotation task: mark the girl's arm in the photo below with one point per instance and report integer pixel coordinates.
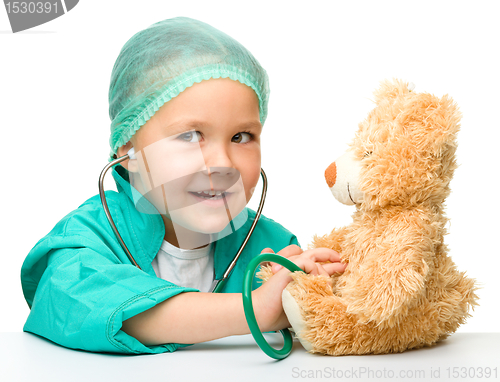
(194, 317)
(189, 318)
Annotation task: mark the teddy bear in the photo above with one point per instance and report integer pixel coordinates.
(400, 290)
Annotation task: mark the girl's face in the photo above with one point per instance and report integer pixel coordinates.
(204, 141)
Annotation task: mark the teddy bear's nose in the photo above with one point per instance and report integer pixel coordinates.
(331, 174)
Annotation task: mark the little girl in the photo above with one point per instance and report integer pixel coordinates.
(188, 103)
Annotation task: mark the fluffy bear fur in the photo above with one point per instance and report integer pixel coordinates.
(401, 290)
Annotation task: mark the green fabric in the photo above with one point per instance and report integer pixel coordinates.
(161, 61)
(81, 286)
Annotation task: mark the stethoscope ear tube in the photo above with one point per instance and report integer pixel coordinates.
(218, 284)
(248, 307)
(106, 209)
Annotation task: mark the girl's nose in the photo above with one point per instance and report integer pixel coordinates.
(331, 174)
(230, 171)
(218, 161)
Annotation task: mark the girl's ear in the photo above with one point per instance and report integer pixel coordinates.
(130, 165)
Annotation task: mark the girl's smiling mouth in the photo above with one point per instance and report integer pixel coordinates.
(211, 198)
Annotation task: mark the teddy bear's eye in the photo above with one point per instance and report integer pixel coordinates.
(367, 153)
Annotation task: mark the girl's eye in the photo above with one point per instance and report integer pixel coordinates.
(190, 136)
(242, 137)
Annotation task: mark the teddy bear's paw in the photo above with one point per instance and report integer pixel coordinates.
(294, 315)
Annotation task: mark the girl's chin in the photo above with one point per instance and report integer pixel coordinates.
(202, 224)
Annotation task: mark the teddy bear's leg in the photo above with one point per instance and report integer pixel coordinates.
(303, 299)
(294, 315)
(319, 317)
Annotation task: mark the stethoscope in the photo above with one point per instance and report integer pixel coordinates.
(217, 285)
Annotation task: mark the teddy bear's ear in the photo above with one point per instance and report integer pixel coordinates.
(447, 124)
(390, 90)
(433, 122)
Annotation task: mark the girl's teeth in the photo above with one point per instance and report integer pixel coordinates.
(213, 194)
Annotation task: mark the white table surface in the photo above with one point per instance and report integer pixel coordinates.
(26, 357)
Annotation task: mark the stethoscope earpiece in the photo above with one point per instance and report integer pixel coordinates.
(131, 153)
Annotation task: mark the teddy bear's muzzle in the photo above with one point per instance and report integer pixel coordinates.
(342, 179)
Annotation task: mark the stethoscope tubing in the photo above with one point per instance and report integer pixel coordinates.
(106, 209)
(217, 285)
(248, 306)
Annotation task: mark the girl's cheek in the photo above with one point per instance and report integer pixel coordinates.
(250, 180)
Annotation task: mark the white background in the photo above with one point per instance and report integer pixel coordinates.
(324, 60)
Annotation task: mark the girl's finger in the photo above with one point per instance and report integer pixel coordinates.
(332, 268)
(275, 267)
(322, 254)
(293, 258)
(287, 252)
(322, 270)
(308, 265)
(291, 250)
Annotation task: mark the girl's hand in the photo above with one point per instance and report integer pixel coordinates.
(294, 250)
(267, 298)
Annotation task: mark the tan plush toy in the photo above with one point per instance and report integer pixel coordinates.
(400, 290)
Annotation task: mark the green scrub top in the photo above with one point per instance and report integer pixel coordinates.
(80, 284)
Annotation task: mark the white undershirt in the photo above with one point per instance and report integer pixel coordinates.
(192, 268)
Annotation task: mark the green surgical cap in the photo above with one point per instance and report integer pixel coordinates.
(159, 62)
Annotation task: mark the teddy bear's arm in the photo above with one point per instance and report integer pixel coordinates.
(392, 275)
(333, 240)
